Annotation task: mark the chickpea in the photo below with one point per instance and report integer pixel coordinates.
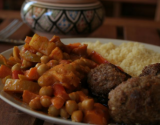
(37, 65)
(87, 104)
(39, 54)
(46, 90)
(80, 105)
(77, 116)
(35, 104)
(71, 106)
(74, 96)
(45, 59)
(52, 111)
(42, 69)
(63, 113)
(45, 101)
(17, 66)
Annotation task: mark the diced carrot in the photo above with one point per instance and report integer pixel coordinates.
(54, 39)
(56, 54)
(97, 58)
(59, 90)
(5, 71)
(57, 102)
(81, 50)
(28, 39)
(15, 74)
(95, 117)
(74, 45)
(104, 110)
(32, 73)
(28, 96)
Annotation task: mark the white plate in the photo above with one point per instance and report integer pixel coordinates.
(25, 108)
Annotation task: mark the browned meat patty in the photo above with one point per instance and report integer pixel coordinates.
(136, 100)
(104, 78)
(153, 69)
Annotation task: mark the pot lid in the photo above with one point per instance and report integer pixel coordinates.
(67, 1)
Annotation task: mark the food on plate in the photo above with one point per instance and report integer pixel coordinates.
(104, 78)
(136, 100)
(60, 80)
(48, 75)
(130, 56)
(152, 69)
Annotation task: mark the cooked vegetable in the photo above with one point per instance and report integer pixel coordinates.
(63, 113)
(42, 44)
(95, 117)
(97, 58)
(29, 56)
(87, 104)
(45, 101)
(42, 69)
(28, 39)
(46, 90)
(52, 111)
(71, 106)
(4, 71)
(77, 116)
(32, 73)
(28, 96)
(59, 90)
(45, 59)
(56, 54)
(35, 103)
(17, 85)
(16, 54)
(58, 102)
(17, 66)
(49, 73)
(15, 74)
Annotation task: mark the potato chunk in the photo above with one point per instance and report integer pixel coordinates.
(17, 85)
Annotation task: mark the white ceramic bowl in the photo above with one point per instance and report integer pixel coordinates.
(65, 17)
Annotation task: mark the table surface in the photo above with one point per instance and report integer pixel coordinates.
(145, 31)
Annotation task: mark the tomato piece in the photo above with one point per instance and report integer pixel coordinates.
(15, 74)
(98, 58)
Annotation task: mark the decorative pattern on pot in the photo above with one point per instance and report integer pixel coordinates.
(61, 20)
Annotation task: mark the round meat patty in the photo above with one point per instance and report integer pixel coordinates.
(136, 100)
(153, 69)
(104, 78)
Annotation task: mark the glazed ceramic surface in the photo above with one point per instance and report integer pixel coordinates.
(61, 18)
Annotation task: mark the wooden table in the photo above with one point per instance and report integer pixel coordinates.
(145, 31)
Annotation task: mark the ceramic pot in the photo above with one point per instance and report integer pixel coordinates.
(67, 17)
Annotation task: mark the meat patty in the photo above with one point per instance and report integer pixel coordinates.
(136, 100)
(104, 78)
(153, 69)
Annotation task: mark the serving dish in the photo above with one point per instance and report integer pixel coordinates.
(25, 108)
(63, 17)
